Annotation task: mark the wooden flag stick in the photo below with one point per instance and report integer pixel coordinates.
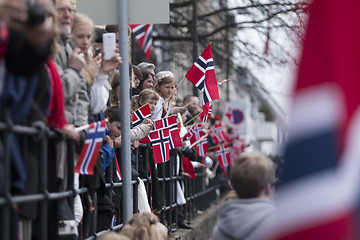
(197, 141)
(182, 80)
(193, 118)
(155, 130)
(86, 126)
(214, 147)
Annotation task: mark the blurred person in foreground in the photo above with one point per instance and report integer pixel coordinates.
(243, 211)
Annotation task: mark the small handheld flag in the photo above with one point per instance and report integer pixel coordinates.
(91, 148)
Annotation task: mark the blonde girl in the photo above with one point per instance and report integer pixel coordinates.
(164, 86)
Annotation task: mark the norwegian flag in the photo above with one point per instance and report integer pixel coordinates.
(171, 123)
(217, 133)
(143, 34)
(223, 155)
(118, 173)
(229, 114)
(319, 186)
(91, 148)
(160, 141)
(202, 148)
(195, 133)
(207, 111)
(202, 75)
(140, 114)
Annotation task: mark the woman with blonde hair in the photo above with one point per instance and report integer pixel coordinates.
(96, 69)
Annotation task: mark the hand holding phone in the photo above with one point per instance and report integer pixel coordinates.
(109, 42)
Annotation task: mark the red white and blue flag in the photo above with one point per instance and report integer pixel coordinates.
(217, 133)
(206, 113)
(195, 133)
(118, 173)
(160, 141)
(174, 133)
(222, 82)
(223, 155)
(91, 148)
(140, 114)
(143, 34)
(202, 148)
(202, 75)
(319, 196)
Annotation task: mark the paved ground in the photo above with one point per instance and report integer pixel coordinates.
(202, 226)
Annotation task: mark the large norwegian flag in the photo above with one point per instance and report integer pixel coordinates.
(91, 148)
(160, 141)
(223, 155)
(319, 197)
(174, 133)
(140, 114)
(202, 75)
(143, 34)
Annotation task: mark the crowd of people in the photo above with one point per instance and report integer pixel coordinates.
(53, 76)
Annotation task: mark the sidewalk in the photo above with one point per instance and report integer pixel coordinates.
(202, 225)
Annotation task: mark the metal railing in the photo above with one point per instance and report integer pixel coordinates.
(198, 196)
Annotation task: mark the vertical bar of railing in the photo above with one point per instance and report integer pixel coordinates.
(136, 185)
(43, 206)
(146, 169)
(163, 212)
(5, 211)
(170, 185)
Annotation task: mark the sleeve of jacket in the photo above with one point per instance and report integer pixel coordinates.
(139, 132)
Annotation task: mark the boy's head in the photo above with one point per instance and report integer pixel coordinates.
(252, 175)
(112, 114)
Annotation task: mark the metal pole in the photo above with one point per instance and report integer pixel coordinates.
(195, 40)
(227, 55)
(125, 111)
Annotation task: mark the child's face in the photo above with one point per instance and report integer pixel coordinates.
(114, 128)
(152, 104)
(166, 89)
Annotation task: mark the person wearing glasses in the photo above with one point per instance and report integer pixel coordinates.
(246, 208)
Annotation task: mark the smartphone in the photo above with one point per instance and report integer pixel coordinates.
(109, 45)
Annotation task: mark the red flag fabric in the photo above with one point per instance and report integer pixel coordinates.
(140, 114)
(91, 148)
(223, 155)
(319, 194)
(188, 167)
(143, 34)
(202, 75)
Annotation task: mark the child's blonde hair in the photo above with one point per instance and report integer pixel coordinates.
(163, 77)
(145, 95)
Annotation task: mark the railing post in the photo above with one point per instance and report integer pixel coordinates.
(6, 208)
(43, 182)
